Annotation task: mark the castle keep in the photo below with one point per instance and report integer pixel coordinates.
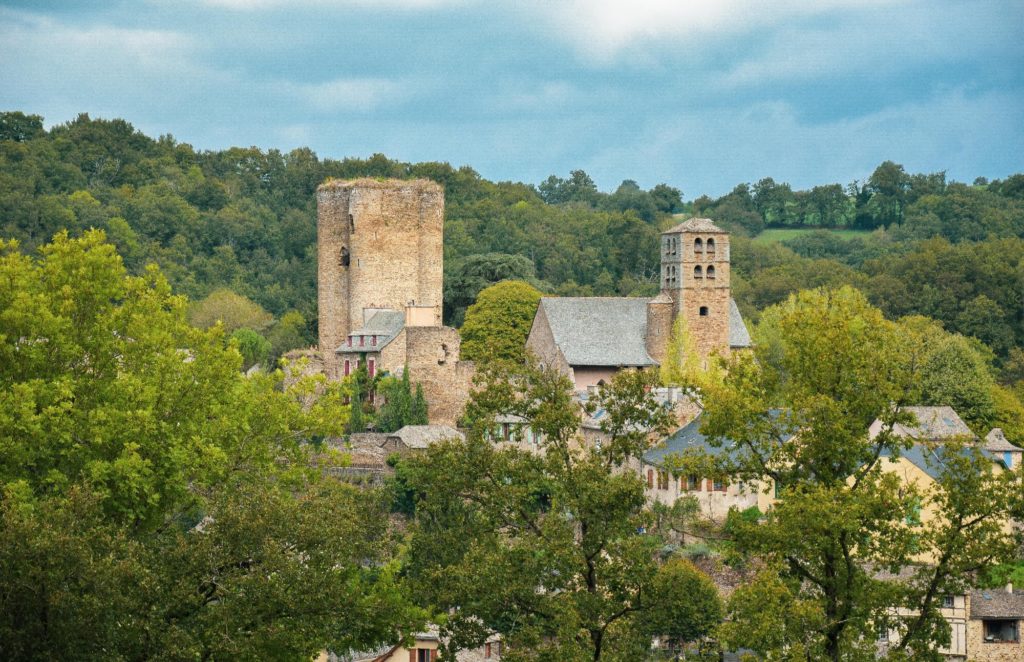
(379, 273)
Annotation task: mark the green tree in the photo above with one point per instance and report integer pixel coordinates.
(232, 310)
(253, 347)
(547, 546)
(825, 365)
(154, 502)
(498, 324)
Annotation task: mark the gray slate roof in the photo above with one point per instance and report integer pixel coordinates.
(689, 438)
(422, 436)
(997, 603)
(599, 331)
(738, 334)
(611, 331)
(934, 423)
(695, 225)
(997, 441)
(385, 324)
(931, 459)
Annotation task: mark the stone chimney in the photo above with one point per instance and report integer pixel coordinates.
(659, 326)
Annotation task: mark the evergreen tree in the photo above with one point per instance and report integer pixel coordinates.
(418, 410)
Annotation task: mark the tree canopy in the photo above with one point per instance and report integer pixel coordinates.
(156, 503)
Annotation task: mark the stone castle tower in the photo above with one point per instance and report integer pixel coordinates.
(379, 246)
(379, 250)
(695, 276)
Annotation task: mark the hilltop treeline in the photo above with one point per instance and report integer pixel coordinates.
(244, 219)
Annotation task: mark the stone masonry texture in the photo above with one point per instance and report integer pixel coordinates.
(379, 245)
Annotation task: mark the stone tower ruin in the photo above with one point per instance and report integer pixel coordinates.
(379, 246)
(695, 274)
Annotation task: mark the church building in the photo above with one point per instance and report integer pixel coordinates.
(590, 338)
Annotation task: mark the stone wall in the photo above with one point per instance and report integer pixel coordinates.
(659, 326)
(379, 245)
(541, 343)
(432, 353)
(980, 651)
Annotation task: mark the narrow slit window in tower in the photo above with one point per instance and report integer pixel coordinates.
(703, 311)
(711, 271)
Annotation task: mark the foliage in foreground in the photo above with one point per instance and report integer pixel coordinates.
(155, 503)
(827, 364)
(549, 545)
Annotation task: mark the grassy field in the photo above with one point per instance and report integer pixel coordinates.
(781, 234)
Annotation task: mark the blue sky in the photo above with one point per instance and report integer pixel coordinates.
(701, 95)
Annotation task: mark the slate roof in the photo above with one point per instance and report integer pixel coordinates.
(997, 603)
(599, 331)
(931, 459)
(385, 324)
(996, 441)
(689, 437)
(933, 424)
(695, 225)
(422, 436)
(611, 331)
(738, 334)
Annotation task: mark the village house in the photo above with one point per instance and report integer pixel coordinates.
(424, 648)
(994, 628)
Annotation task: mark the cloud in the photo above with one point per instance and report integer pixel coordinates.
(348, 94)
(262, 5)
(603, 29)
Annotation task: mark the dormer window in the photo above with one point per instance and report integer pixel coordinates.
(711, 246)
(362, 341)
(350, 341)
(711, 271)
(373, 340)
(697, 273)
(698, 246)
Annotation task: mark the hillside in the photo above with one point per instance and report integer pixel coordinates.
(244, 219)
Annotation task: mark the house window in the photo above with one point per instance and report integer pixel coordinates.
(422, 655)
(348, 367)
(703, 309)
(697, 272)
(362, 341)
(1008, 459)
(487, 651)
(711, 246)
(719, 486)
(650, 478)
(693, 483)
(711, 271)
(662, 480)
(947, 602)
(350, 341)
(698, 246)
(371, 367)
(1001, 632)
(373, 340)
(883, 632)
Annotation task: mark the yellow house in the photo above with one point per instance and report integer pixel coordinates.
(424, 648)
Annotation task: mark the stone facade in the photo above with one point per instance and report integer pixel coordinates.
(379, 245)
(695, 273)
(380, 256)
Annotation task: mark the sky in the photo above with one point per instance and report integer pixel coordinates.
(701, 95)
